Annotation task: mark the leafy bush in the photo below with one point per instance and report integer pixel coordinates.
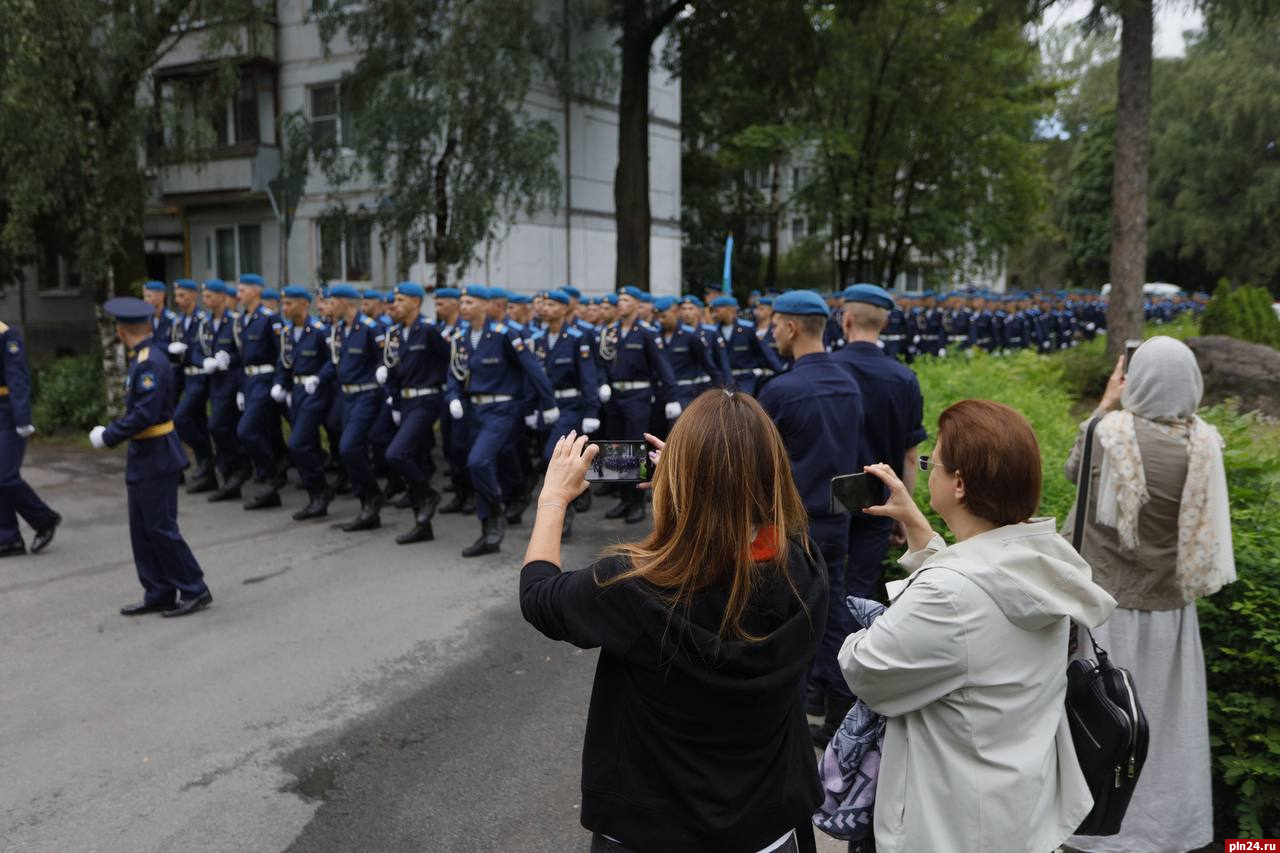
(1242, 312)
(67, 394)
(1238, 629)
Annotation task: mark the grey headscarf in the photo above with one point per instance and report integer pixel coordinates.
(1164, 381)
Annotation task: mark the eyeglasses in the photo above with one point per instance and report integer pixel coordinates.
(928, 462)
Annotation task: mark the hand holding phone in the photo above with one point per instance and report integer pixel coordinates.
(855, 492)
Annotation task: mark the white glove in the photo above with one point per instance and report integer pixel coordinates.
(240, 400)
(395, 417)
(455, 409)
(673, 411)
(605, 393)
(755, 371)
(223, 358)
(310, 384)
(95, 437)
(380, 375)
(209, 365)
(590, 425)
(177, 348)
(278, 393)
(25, 431)
(531, 421)
(551, 415)
(942, 352)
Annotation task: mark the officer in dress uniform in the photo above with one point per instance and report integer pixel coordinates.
(832, 335)
(171, 578)
(956, 322)
(1016, 335)
(192, 417)
(453, 433)
(568, 358)
(817, 407)
(634, 363)
(415, 368)
(763, 311)
(982, 329)
(691, 314)
(222, 366)
(258, 340)
(488, 366)
(304, 382)
(894, 337)
(156, 294)
(932, 335)
(355, 348)
(16, 497)
(748, 357)
(691, 364)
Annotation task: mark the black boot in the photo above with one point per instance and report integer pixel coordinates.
(317, 507)
(837, 708)
(421, 532)
(499, 528)
(566, 530)
(582, 503)
(231, 485)
(620, 510)
(203, 481)
(515, 510)
(369, 518)
(395, 490)
(456, 503)
(342, 484)
(635, 509)
(469, 504)
(478, 547)
(268, 498)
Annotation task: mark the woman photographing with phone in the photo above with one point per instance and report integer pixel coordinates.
(696, 736)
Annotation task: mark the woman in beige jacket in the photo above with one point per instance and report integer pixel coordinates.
(969, 662)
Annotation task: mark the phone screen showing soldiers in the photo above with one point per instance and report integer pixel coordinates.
(621, 462)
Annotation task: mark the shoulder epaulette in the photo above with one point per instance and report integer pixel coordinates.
(684, 327)
(143, 353)
(747, 323)
(500, 328)
(573, 332)
(318, 325)
(367, 321)
(4, 327)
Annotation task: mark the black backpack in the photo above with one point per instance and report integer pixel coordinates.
(1107, 724)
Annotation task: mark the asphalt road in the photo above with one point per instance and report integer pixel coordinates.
(342, 693)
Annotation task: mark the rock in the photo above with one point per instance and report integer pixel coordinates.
(1249, 373)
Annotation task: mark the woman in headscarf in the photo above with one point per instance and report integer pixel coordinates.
(1157, 534)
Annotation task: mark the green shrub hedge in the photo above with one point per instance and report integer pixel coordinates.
(67, 394)
(1238, 625)
(1243, 312)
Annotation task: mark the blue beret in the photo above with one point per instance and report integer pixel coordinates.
(871, 294)
(409, 288)
(155, 285)
(765, 300)
(388, 297)
(560, 295)
(370, 293)
(725, 302)
(325, 292)
(801, 302)
(448, 293)
(498, 293)
(632, 291)
(690, 299)
(128, 309)
(520, 299)
(573, 292)
(662, 303)
(186, 284)
(344, 291)
(215, 285)
(253, 279)
(296, 291)
(754, 293)
(475, 291)
(611, 299)
(270, 293)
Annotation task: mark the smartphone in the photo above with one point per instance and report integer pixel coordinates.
(855, 492)
(621, 462)
(1129, 348)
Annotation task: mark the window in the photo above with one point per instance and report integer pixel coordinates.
(799, 229)
(54, 272)
(330, 121)
(346, 252)
(239, 251)
(797, 178)
(196, 112)
(326, 5)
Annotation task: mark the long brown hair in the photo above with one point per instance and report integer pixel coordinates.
(724, 472)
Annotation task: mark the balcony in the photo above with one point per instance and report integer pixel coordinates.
(201, 47)
(230, 171)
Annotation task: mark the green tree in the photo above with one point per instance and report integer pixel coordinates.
(1086, 207)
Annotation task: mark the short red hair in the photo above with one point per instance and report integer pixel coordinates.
(995, 451)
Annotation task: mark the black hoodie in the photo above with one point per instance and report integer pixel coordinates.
(693, 743)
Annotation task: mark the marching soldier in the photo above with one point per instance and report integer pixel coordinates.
(355, 347)
(691, 313)
(489, 364)
(156, 294)
(171, 578)
(222, 366)
(896, 336)
(453, 433)
(304, 381)
(258, 341)
(191, 418)
(414, 369)
(691, 364)
(749, 358)
(16, 497)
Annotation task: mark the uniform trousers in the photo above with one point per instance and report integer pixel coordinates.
(16, 497)
(491, 427)
(868, 545)
(254, 431)
(359, 412)
(224, 417)
(166, 567)
(745, 381)
(830, 535)
(308, 413)
(191, 417)
(454, 435)
(409, 453)
(381, 435)
(628, 420)
(333, 423)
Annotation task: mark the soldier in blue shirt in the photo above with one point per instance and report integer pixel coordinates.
(171, 578)
(568, 358)
(453, 433)
(16, 497)
(304, 382)
(956, 321)
(258, 341)
(691, 314)
(748, 357)
(489, 364)
(222, 366)
(415, 368)
(191, 418)
(982, 329)
(691, 364)
(638, 374)
(895, 337)
(156, 294)
(817, 407)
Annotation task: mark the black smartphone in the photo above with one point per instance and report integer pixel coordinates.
(621, 462)
(1129, 348)
(855, 492)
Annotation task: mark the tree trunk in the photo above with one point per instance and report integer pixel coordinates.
(775, 228)
(1129, 184)
(443, 249)
(631, 181)
(114, 363)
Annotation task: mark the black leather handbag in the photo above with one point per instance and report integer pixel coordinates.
(1107, 724)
